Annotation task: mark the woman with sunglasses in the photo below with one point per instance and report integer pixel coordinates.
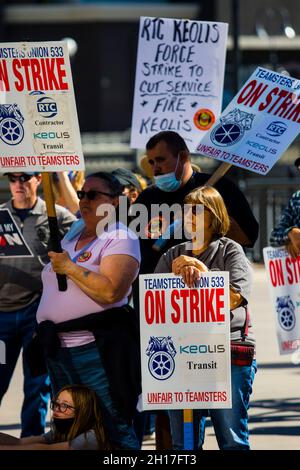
(209, 249)
(76, 424)
(89, 332)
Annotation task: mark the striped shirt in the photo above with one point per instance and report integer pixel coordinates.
(290, 218)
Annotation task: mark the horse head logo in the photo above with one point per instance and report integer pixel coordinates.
(236, 116)
(161, 343)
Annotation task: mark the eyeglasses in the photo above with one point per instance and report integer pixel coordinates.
(62, 407)
(92, 194)
(22, 178)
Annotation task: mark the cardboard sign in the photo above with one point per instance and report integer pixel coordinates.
(185, 342)
(12, 242)
(283, 273)
(258, 125)
(38, 120)
(179, 78)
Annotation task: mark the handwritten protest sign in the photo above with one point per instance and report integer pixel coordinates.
(185, 342)
(12, 242)
(179, 78)
(38, 120)
(283, 273)
(258, 125)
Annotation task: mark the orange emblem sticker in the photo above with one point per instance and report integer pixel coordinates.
(84, 256)
(204, 119)
(156, 227)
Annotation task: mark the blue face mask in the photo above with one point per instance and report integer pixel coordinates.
(168, 182)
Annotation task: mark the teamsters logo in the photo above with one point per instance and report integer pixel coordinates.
(161, 352)
(11, 120)
(231, 128)
(286, 312)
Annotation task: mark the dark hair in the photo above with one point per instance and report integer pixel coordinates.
(116, 189)
(173, 140)
(87, 416)
(112, 183)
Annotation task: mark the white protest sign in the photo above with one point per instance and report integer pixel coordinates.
(179, 78)
(258, 125)
(283, 273)
(38, 120)
(185, 342)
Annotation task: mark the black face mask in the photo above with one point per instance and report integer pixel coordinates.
(63, 426)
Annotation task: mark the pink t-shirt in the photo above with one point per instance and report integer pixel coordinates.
(74, 303)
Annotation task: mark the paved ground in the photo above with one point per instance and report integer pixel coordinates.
(275, 405)
(275, 410)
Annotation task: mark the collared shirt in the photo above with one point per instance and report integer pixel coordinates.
(20, 278)
(290, 218)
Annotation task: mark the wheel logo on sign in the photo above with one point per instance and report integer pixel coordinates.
(11, 120)
(286, 312)
(161, 352)
(231, 128)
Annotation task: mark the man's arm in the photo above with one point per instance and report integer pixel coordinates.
(285, 232)
(67, 192)
(293, 245)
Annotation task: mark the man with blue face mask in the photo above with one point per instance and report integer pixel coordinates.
(174, 178)
(168, 182)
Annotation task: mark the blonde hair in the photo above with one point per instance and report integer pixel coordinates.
(142, 181)
(146, 167)
(213, 201)
(87, 416)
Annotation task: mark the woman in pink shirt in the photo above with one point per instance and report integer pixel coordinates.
(95, 330)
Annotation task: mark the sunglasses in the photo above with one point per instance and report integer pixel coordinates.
(22, 178)
(62, 407)
(92, 194)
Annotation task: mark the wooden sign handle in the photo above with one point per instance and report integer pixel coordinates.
(188, 430)
(53, 225)
(217, 175)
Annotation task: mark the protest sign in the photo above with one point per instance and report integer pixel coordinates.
(258, 125)
(12, 242)
(179, 78)
(185, 342)
(38, 120)
(283, 274)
